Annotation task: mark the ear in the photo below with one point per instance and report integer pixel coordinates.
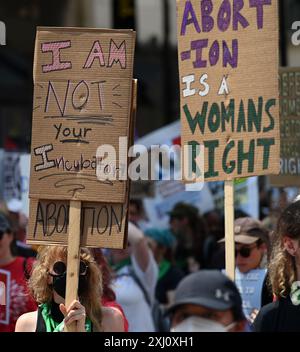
(263, 247)
(290, 245)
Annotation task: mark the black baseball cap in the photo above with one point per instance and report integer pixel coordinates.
(210, 289)
(4, 224)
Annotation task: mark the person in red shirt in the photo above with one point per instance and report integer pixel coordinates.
(13, 270)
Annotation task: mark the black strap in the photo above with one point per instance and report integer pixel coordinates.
(40, 323)
(132, 274)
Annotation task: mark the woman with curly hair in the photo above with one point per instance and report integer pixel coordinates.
(284, 276)
(48, 286)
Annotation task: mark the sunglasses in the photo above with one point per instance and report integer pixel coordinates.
(60, 269)
(244, 252)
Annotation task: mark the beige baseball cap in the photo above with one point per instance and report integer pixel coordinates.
(249, 230)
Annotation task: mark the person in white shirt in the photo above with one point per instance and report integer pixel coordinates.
(135, 280)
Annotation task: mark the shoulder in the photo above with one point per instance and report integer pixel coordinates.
(270, 308)
(113, 319)
(266, 317)
(27, 322)
(19, 263)
(16, 262)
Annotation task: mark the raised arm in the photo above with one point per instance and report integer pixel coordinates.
(140, 248)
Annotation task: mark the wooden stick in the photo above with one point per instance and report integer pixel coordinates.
(73, 257)
(229, 228)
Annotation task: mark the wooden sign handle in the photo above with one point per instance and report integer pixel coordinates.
(229, 228)
(73, 257)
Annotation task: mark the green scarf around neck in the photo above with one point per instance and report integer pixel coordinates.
(164, 267)
(52, 325)
(121, 264)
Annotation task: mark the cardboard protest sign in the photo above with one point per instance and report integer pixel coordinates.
(289, 79)
(228, 63)
(82, 99)
(102, 224)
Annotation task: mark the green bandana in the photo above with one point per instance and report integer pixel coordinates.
(164, 267)
(53, 326)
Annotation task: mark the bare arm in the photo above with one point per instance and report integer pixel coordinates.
(140, 248)
(112, 320)
(26, 322)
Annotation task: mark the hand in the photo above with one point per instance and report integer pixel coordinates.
(253, 315)
(75, 313)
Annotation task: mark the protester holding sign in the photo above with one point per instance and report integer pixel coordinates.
(284, 271)
(48, 286)
(84, 102)
(207, 301)
(13, 274)
(251, 246)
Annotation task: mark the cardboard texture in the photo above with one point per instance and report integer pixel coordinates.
(79, 106)
(289, 82)
(103, 225)
(228, 64)
(82, 99)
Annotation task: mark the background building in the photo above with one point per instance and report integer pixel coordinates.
(155, 63)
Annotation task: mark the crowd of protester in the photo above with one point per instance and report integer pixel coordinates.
(166, 279)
